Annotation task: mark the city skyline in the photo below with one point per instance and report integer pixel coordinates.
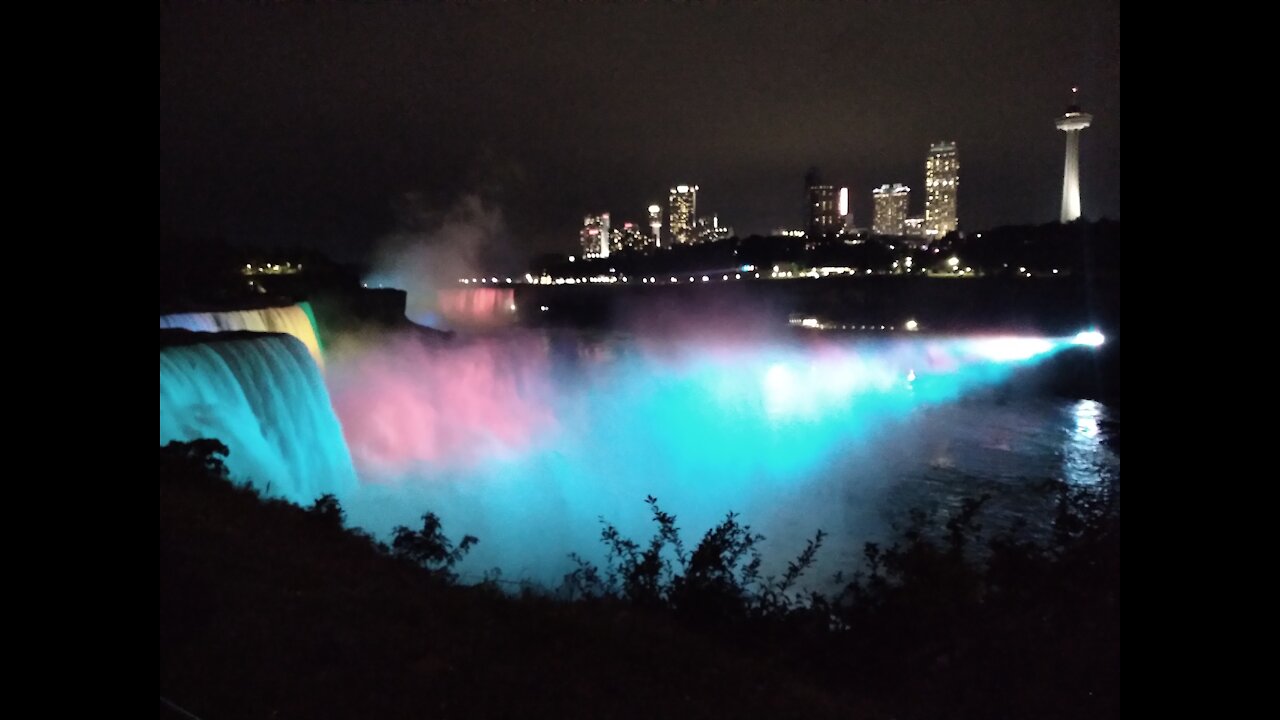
(317, 126)
(828, 211)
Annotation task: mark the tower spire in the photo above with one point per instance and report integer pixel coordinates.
(1072, 122)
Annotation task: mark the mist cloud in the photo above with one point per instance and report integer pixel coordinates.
(432, 249)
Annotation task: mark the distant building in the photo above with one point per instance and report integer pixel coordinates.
(682, 207)
(941, 180)
(856, 235)
(595, 236)
(845, 212)
(824, 217)
(914, 227)
(628, 237)
(891, 209)
(655, 224)
(710, 230)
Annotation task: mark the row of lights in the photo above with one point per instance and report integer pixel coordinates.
(812, 273)
(705, 278)
(465, 281)
(270, 269)
(953, 262)
(810, 322)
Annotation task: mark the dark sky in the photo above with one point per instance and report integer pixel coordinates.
(297, 124)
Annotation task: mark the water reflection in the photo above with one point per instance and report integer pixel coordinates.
(1086, 458)
(1009, 448)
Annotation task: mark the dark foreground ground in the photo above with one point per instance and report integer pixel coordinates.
(266, 612)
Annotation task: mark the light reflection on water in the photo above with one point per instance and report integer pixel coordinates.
(1087, 460)
(1008, 449)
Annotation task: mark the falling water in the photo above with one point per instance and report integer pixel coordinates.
(295, 320)
(261, 395)
(477, 307)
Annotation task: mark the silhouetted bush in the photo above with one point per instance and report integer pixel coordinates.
(718, 583)
(430, 548)
(329, 511)
(198, 459)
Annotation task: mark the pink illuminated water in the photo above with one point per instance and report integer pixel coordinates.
(477, 307)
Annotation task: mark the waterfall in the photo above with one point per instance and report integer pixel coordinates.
(295, 320)
(263, 397)
(477, 307)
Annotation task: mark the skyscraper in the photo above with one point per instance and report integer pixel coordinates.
(681, 208)
(824, 218)
(655, 224)
(595, 236)
(1072, 123)
(941, 179)
(891, 209)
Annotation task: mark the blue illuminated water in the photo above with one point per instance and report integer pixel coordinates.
(793, 436)
(528, 439)
(261, 395)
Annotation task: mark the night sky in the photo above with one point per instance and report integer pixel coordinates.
(301, 125)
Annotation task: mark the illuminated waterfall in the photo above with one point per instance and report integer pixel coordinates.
(477, 307)
(295, 320)
(264, 398)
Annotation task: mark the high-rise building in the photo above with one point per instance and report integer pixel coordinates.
(682, 207)
(595, 236)
(1072, 123)
(891, 202)
(941, 180)
(824, 217)
(655, 224)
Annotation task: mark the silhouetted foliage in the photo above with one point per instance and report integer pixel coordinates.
(329, 511)
(1040, 617)
(776, 596)
(719, 582)
(430, 548)
(200, 458)
(720, 574)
